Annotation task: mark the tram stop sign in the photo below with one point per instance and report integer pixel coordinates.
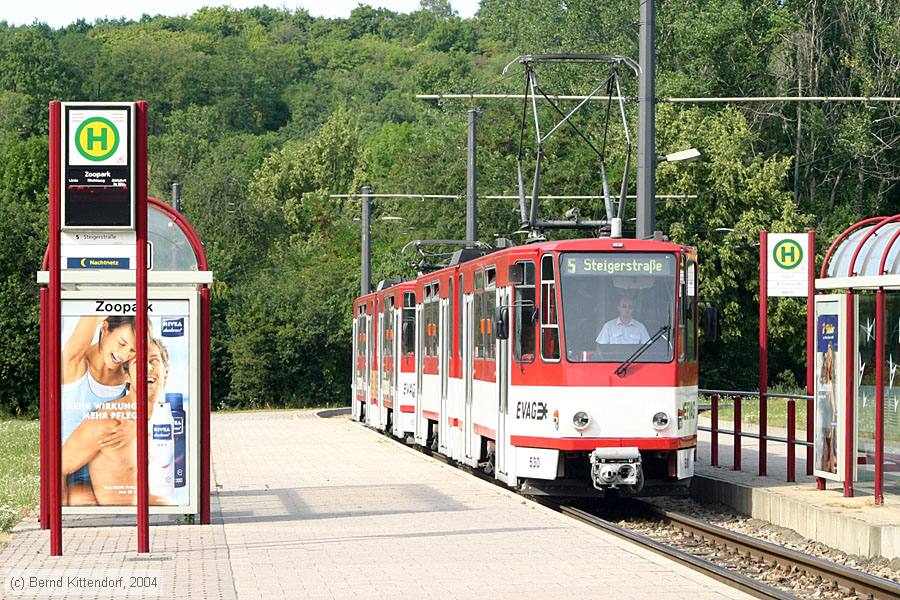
(98, 166)
(788, 256)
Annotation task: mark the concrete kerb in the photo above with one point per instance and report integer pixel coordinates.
(822, 524)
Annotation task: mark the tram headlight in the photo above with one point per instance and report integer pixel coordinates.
(660, 420)
(581, 420)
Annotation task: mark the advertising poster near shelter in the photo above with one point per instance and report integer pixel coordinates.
(99, 413)
(828, 431)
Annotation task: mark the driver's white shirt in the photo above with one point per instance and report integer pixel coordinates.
(615, 331)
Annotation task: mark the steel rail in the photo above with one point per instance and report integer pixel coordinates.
(854, 580)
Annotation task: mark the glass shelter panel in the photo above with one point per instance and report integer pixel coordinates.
(865, 392)
(171, 249)
(892, 392)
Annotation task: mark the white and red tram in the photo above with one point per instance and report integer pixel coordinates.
(496, 362)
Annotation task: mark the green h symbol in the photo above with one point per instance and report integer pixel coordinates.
(93, 138)
(787, 252)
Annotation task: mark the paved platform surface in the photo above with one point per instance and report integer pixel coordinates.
(297, 517)
(854, 525)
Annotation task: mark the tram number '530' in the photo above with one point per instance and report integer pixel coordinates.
(536, 463)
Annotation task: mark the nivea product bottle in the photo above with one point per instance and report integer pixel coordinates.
(176, 402)
(162, 450)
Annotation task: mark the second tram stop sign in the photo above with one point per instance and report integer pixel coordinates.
(787, 258)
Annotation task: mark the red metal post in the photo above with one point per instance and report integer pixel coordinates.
(54, 435)
(44, 405)
(763, 348)
(141, 329)
(850, 393)
(204, 405)
(879, 396)
(791, 437)
(737, 434)
(810, 346)
(714, 432)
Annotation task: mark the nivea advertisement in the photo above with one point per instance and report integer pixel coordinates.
(99, 410)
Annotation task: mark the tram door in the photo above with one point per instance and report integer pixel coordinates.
(397, 316)
(378, 407)
(356, 383)
(444, 443)
(468, 369)
(503, 392)
(421, 427)
(371, 367)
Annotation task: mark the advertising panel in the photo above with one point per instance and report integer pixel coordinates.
(828, 433)
(98, 403)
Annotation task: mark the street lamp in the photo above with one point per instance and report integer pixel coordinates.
(685, 156)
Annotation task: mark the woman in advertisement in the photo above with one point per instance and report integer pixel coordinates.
(826, 411)
(94, 373)
(113, 465)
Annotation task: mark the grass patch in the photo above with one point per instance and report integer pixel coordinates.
(19, 470)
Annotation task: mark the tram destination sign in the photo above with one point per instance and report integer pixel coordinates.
(607, 263)
(787, 260)
(98, 166)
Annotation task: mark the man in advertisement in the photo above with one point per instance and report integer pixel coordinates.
(111, 459)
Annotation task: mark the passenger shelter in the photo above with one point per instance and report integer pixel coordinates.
(857, 392)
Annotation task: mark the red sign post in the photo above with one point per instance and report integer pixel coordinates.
(141, 330)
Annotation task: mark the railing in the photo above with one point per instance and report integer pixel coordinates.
(791, 438)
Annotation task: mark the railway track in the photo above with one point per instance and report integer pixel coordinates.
(851, 582)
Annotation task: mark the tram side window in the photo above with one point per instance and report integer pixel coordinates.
(478, 320)
(448, 324)
(431, 319)
(408, 328)
(360, 349)
(361, 335)
(549, 320)
(387, 350)
(459, 323)
(523, 322)
(387, 329)
(490, 301)
(691, 316)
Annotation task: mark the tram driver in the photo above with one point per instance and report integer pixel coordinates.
(624, 329)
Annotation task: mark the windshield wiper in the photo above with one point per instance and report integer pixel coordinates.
(622, 369)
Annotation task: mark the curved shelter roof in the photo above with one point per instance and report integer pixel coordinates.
(865, 255)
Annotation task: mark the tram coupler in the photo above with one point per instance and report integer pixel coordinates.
(614, 467)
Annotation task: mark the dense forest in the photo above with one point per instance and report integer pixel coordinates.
(262, 114)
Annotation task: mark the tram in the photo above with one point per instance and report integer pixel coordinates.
(561, 368)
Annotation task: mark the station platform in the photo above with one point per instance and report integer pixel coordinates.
(309, 507)
(853, 525)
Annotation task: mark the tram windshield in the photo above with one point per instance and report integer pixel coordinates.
(614, 302)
